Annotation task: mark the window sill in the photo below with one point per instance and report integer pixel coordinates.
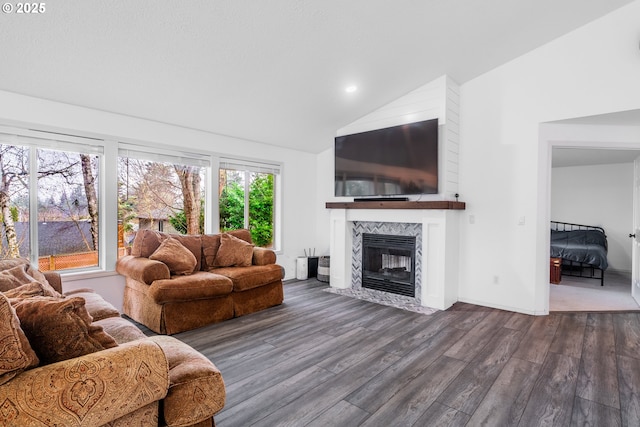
(72, 276)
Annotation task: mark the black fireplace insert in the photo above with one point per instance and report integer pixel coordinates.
(388, 263)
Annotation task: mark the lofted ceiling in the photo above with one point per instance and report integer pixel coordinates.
(270, 71)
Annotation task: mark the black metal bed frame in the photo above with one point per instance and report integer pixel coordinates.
(575, 268)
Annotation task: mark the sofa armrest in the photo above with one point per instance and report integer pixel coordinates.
(54, 280)
(197, 391)
(144, 270)
(263, 256)
(90, 390)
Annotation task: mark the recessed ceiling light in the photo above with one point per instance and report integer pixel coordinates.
(351, 89)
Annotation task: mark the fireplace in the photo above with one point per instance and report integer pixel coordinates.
(388, 263)
(436, 253)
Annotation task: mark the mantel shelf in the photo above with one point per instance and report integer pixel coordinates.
(438, 204)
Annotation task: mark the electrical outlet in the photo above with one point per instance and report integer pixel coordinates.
(496, 280)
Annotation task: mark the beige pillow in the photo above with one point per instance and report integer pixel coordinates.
(16, 354)
(233, 252)
(60, 328)
(179, 259)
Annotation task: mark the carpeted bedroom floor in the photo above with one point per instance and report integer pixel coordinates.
(576, 294)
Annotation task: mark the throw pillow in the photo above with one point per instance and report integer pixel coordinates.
(60, 328)
(14, 277)
(233, 252)
(179, 259)
(31, 290)
(16, 354)
(20, 274)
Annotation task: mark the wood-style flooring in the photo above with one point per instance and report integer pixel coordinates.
(322, 359)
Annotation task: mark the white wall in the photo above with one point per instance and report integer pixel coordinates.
(600, 195)
(299, 168)
(504, 164)
(439, 99)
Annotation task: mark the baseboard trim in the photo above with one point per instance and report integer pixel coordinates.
(503, 307)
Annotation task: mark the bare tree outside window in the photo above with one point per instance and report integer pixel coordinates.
(67, 201)
(159, 196)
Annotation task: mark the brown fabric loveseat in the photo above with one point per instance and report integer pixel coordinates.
(72, 360)
(174, 283)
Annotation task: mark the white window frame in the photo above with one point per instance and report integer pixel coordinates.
(228, 162)
(163, 155)
(35, 139)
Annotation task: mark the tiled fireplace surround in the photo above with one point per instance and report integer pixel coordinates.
(436, 234)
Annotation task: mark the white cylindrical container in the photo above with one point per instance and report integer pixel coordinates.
(302, 268)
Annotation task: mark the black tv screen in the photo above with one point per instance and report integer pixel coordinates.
(399, 160)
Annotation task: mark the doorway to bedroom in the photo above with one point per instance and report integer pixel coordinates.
(593, 187)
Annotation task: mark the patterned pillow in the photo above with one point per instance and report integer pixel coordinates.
(233, 252)
(16, 354)
(179, 259)
(60, 328)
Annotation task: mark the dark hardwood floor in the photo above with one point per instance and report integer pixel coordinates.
(326, 360)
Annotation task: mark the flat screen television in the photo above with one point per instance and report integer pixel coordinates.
(396, 161)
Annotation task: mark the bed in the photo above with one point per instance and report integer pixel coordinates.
(583, 249)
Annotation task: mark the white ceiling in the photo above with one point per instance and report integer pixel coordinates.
(271, 71)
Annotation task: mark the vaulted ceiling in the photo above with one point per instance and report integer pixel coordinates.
(271, 71)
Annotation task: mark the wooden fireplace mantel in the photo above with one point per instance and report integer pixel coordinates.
(437, 204)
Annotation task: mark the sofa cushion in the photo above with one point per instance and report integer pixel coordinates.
(199, 285)
(7, 263)
(147, 242)
(32, 289)
(16, 353)
(193, 242)
(211, 244)
(244, 278)
(233, 252)
(179, 259)
(18, 271)
(96, 306)
(60, 329)
(120, 329)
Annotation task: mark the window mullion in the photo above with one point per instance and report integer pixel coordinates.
(247, 177)
(33, 205)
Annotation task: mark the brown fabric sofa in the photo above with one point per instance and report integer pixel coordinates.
(230, 277)
(139, 380)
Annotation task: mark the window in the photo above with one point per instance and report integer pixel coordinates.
(57, 184)
(247, 199)
(163, 192)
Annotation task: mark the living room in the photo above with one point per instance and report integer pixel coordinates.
(85, 71)
(505, 106)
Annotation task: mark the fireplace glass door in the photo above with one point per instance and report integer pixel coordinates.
(388, 263)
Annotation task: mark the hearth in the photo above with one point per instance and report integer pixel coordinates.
(388, 263)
